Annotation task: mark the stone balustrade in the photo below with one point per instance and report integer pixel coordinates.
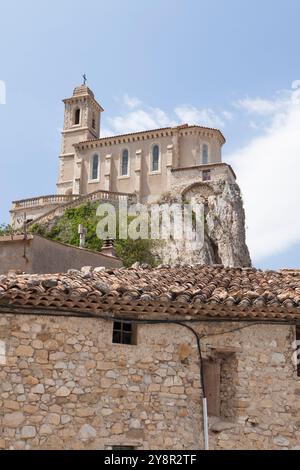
(101, 195)
(43, 201)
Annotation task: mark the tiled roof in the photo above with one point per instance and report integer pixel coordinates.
(177, 292)
(161, 129)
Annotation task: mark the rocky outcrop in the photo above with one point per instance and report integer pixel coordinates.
(223, 239)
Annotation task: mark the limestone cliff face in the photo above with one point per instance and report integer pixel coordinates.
(224, 229)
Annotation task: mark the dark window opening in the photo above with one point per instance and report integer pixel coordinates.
(125, 163)
(123, 448)
(94, 122)
(205, 154)
(216, 255)
(95, 167)
(206, 176)
(77, 116)
(124, 333)
(155, 158)
(298, 351)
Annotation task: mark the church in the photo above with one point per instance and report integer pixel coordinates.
(146, 164)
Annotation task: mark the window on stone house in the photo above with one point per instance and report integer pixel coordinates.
(206, 175)
(205, 154)
(212, 385)
(123, 448)
(94, 122)
(125, 163)
(95, 167)
(77, 117)
(298, 348)
(155, 158)
(220, 376)
(124, 333)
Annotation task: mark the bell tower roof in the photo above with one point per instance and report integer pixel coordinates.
(83, 90)
(82, 93)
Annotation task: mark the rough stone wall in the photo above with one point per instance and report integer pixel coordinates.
(65, 385)
(260, 393)
(223, 240)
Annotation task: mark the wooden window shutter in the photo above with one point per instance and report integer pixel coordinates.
(212, 385)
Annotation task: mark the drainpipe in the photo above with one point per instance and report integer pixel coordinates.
(205, 423)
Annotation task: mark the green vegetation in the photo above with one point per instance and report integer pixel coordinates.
(65, 230)
(5, 230)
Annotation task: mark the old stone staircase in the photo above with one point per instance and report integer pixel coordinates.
(101, 196)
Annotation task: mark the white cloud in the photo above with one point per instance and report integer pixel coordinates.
(140, 117)
(205, 117)
(131, 102)
(227, 115)
(139, 120)
(268, 170)
(264, 107)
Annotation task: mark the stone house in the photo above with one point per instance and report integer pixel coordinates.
(34, 254)
(123, 358)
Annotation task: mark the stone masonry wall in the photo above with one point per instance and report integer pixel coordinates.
(65, 385)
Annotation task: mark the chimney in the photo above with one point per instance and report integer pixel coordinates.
(108, 248)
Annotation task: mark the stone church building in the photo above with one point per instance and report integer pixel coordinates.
(176, 164)
(147, 163)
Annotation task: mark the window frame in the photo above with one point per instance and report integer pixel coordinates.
(151, 171)
(212, 386)
(123, 332)
(75, 123)
(91, 169)
(123, 447)
(121, 176)
(206, 172)
(297, 338)
(94, 124)
(208, 153)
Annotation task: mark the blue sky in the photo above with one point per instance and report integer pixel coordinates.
(227, 63)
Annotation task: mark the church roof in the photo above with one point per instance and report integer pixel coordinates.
(161, 129)
(181, 292)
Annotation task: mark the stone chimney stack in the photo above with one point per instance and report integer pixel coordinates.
(108, 248)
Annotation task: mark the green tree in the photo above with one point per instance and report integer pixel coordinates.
(5, 230)
(65, 230)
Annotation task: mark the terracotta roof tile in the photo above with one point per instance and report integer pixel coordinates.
(183, 127)
(203, 291)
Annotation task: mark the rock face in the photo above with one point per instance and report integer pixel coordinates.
(223, 238)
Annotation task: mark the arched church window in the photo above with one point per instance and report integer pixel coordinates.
(205, 154)
(125, 163)
(77, 117)
(95, 167)
(155, 158)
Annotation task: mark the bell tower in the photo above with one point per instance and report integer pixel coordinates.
(81, 122)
